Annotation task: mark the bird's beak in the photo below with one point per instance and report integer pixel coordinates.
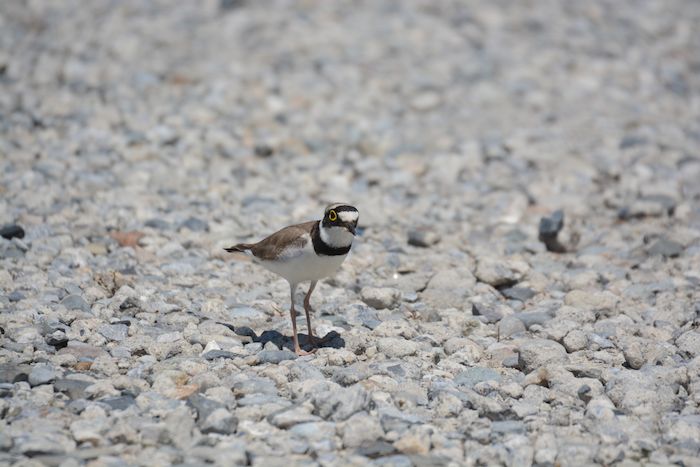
(351, 228)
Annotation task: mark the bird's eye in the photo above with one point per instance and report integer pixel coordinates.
(332, 216)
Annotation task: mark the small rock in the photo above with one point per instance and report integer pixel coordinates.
(75, 388)
(510, 326)
(214, 354)
(575, 340)
(667, 248)
(549, 231)
(594, 301)
(75, 302)
(114, 332)
(11, 231)
(522, 294)
(195, 225)
(473, 375)
(16, 296)
(42, 373)
(539, 352)
(380, 297)
(689, 343)
(396, 347)
(119, 402)
(275, 356)
(219, 421)
(361, 429)
(500, 272)
(292, 416)
(423, 237)
(490, 312)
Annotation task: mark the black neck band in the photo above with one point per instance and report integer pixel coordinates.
(322, 248)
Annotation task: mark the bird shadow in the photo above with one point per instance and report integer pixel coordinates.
(330, 340)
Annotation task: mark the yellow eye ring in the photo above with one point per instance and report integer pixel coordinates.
(332, 216)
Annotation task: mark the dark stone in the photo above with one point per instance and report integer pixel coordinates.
(275, 356)
(196, 225)
(522, 294)
(11, 231)
(549, 230)
(57, 340)
(158, 224)
(667, 248)
(75, 388)
(214, 354)
(584, 393)
(376, 449)
(263, 150)
(120, 402)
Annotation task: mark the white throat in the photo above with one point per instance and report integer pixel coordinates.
(336, 237)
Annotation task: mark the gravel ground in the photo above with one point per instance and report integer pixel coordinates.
(139, 138)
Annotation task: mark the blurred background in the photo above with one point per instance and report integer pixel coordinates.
(239, 112)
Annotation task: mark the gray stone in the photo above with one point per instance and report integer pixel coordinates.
(275, 356)
(341, 403)
(549, 231)
(423, 237)
(510, 326)
(473, 375)
(666, 247)
(532, 318)
(396, 347)
(215, 354)
(689, 343)
(497, 272)
(380, 297)
(114, 332)
(16, 296)
(43, 373)
(361, 429)
(289, 417)
(12, 373)
(535, 353)
(75, 388)
(195, 224)
(575, 340)
(75, 302)
(119, 402)
(522, 294)
(219, 421)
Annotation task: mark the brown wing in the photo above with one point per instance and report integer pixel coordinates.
(295, 235)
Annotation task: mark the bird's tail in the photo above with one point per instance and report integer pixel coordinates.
(241, 247)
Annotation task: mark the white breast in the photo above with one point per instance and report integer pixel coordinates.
(302, 264)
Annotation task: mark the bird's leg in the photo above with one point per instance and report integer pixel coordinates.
(307, 310)
(293, 314)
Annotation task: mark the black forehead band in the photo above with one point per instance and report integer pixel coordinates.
(344, 208)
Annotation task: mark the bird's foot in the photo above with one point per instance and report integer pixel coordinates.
(302, 353)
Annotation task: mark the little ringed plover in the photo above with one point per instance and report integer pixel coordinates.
(306, 252)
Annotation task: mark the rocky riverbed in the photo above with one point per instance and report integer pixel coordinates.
(473, 324)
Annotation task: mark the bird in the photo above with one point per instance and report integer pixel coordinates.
(309, 251)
